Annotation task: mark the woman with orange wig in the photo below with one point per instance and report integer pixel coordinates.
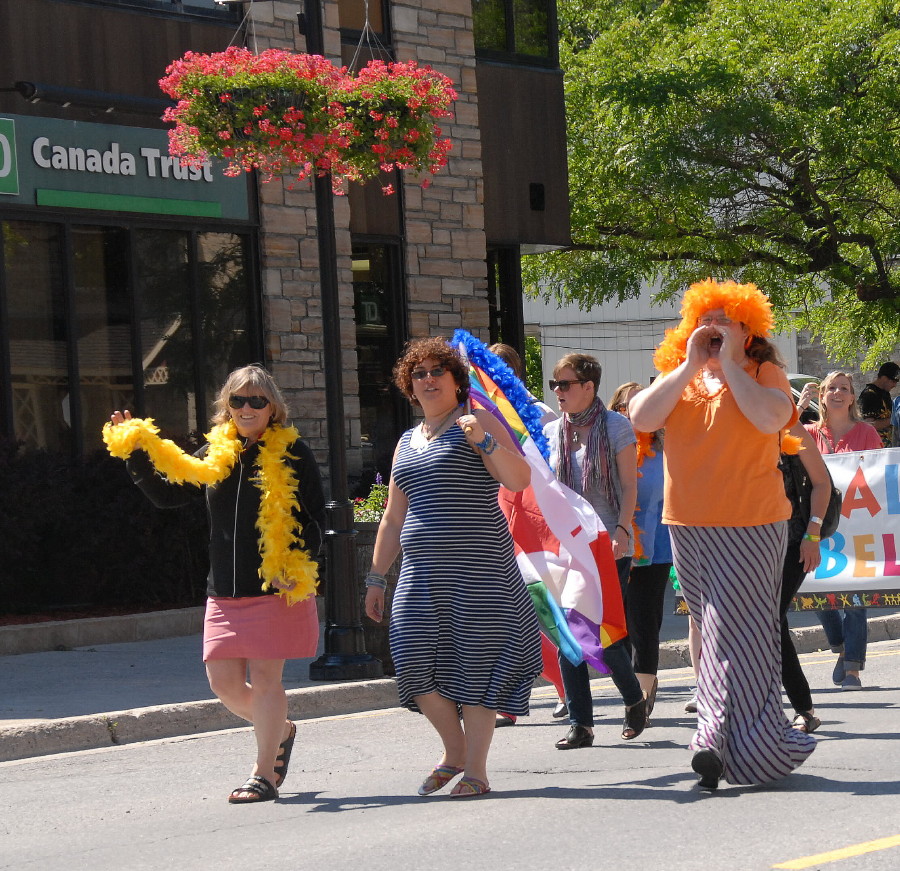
(724, 401)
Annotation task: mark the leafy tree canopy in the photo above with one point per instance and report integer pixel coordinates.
(740, 139)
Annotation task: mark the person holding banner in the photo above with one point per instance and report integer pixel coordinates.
(592, 451)
(724, 400)
(841, 429)
(464, 635)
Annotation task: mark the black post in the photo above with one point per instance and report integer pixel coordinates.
(345, 656)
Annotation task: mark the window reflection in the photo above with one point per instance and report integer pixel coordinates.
(183, 298)
(515, 28)
(224, 295)
(38, 334)
(167, 347)
(378, 341)
(102, 319)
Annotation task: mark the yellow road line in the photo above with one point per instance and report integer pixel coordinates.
(844, 853)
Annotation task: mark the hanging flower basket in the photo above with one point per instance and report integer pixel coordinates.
(282, 112)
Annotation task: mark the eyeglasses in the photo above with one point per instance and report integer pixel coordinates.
(257, 402)
(563, 386)
(422, 374)
(719, 322)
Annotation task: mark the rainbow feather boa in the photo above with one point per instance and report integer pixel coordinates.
(285, 565)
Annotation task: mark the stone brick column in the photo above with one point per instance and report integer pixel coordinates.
(292, 301)
(444, 231)
(446, 249)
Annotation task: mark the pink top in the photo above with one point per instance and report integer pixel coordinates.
(863, 437)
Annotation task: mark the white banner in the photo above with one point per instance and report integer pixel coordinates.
(860, 566)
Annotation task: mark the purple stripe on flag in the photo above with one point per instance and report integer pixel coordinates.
(587, 634)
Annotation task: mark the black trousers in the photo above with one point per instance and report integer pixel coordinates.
(796, 686)
(644, 602)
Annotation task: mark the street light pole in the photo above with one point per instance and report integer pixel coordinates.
(344, 657)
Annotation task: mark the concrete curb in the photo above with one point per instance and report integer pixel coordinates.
(67, 634)
(70, 734)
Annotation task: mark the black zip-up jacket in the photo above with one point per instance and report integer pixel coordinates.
(233, 506)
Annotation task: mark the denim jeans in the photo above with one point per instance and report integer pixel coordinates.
(847, 633)
(617, 657)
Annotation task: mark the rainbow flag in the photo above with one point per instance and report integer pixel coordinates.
(562, 548)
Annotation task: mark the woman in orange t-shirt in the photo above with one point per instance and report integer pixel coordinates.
(724, 401)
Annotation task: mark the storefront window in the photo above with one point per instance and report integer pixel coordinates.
(102, 318)
(38, 334)
(517, 30)
(224, 301)
(168, 310)
(380, 334)
(167, 343)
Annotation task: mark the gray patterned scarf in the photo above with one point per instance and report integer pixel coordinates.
(598, 469)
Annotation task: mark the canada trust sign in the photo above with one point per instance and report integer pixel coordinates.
(114, 161)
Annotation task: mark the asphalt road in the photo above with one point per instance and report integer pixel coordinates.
(349, 800)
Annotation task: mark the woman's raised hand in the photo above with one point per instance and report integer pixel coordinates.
(118, 417)
(810, 391)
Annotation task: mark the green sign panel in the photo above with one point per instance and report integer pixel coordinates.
(104, 167)
(9, 173)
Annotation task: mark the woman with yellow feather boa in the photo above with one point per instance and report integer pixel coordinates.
(725, 402)
(266, 511)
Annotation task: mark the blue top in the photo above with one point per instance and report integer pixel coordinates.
(648, 517)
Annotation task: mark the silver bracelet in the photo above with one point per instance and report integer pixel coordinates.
(374, 579)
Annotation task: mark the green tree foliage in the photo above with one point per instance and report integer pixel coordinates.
(740, 139)
(534, 367)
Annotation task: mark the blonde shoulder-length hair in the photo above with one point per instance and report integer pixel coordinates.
(257, 379)
(823, 389)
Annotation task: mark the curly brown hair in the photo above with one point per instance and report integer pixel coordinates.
(438, 349)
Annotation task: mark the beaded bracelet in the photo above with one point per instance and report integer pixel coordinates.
(374, 579)
(808, 537)
(487, 445)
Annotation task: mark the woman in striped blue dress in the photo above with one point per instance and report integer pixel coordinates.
(464, 635)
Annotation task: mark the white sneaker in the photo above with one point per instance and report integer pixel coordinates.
(690, 706)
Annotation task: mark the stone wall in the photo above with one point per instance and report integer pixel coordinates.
(444, 224)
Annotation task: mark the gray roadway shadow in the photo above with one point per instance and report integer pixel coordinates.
(678, 788)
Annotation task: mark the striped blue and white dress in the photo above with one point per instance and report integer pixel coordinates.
(462, 622)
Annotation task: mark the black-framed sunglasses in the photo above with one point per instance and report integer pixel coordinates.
(257, 402)
(422, 374)
(563, 386)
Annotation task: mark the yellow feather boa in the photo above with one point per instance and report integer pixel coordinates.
(284, 561)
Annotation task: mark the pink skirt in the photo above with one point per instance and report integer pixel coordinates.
(259, 627)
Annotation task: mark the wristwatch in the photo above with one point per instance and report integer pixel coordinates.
(816, 520)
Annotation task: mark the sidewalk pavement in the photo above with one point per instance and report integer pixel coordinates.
(84, 684)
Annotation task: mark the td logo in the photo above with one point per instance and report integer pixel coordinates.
(9, 174)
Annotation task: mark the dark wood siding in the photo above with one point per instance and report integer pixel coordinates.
(521, 111)
(96, 48)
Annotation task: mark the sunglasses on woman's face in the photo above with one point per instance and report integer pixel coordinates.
(257, 402)
(563, 386)
(422, 374)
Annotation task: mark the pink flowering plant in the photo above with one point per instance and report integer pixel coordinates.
(283, 112)
(389, 112)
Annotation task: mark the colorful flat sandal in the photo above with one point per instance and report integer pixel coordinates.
(469, 787)
(439, 778)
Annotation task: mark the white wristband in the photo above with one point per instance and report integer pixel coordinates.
(816, 520)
